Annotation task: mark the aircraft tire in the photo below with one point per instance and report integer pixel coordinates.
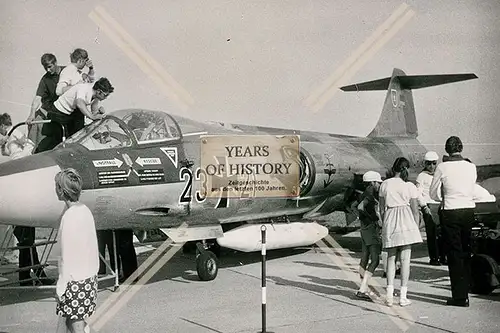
(484, 271)
(207, 266)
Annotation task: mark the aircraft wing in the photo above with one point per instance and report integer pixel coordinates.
(488, 176)
(487, 171)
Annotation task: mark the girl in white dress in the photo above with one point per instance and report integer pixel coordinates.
(399, 213)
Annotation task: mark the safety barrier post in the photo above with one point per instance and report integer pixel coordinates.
(263, 252)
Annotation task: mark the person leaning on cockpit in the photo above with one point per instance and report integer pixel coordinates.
(82, 98)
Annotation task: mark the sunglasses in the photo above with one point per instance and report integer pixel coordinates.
(431, 162)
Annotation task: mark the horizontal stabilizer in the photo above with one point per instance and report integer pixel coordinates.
(398, 117)
(410, 82)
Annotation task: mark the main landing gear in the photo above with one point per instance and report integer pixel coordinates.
(207, 263)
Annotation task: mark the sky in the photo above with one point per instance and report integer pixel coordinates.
(258, 62)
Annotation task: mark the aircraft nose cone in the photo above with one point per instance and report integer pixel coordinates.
(27, 192)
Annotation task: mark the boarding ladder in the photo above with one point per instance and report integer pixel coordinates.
(6, 268)
(9, 271)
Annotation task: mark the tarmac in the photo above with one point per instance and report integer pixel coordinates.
(308, 290)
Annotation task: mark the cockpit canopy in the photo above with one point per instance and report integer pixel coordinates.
(124, 128)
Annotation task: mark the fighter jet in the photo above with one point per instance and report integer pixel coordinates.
(141, 169)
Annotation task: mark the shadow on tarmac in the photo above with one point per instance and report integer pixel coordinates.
(182, 268)
(10, 296)
(341, 288)
(494, 296)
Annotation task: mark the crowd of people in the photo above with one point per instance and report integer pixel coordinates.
(69, 96)
(389, 213)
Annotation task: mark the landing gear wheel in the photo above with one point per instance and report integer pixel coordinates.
(483, 274)
(207, 266)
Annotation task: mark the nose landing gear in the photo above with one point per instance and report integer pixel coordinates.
(207, 263)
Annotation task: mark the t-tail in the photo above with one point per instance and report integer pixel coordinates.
(398, 115)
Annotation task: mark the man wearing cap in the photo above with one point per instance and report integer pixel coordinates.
(371, 242)
(423, 183)
(453, 184)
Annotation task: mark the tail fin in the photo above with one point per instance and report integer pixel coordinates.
(398, 115)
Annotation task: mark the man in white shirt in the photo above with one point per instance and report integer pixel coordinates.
(453, 184)
(72, 75)
(423, 183)
(82, 98)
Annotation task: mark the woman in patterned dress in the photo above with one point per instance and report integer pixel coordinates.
(400, 216)
(79, 257)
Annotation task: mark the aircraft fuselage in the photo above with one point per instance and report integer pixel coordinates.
(149, 186)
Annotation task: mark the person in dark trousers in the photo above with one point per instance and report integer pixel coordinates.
(44, 97)
(82, 98)
(371, 225)
(105, 240)
(453, 184)
(26, 238)
(127, 257)
(423, 183)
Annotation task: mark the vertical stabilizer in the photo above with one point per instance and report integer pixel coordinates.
(398, 117)
(398, 114)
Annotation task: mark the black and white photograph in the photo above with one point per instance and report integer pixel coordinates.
(249, 166)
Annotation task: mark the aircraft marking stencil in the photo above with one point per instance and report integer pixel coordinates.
(107, 163)
(395, 98)
(186, 175)
(128, 160)
(150, 175)
(142, 161)
(171, 153)
(113, 177)
(330, 170)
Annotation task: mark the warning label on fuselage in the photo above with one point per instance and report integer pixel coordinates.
(114, 177)
(151, 175)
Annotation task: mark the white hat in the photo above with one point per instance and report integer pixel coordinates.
(431, 156)
(372, 176)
